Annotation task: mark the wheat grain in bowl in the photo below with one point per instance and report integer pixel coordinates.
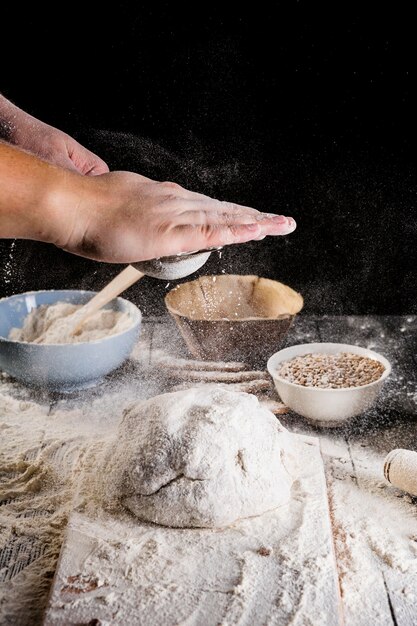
(328, 383)
(331, 371)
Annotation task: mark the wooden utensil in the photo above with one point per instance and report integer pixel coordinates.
(165, 268)
(122, 281)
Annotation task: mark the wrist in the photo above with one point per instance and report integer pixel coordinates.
(38, 201)
(73, 203)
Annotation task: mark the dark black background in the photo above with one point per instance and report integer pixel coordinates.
(302, 110)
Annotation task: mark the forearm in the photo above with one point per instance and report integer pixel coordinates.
(37, 200)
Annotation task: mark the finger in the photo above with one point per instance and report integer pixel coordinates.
(201, 217)
(213, 203)
(97, 169)
(85, 161)
(214, 235)
(286, 229)
(207, 205)
(205, 210)
(207, 236)
(216, 212)
(204, 203)
(95, 166)
(65, 162)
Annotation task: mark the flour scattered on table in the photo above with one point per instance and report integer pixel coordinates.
(44, 455)
(54, 324)
(49, 450)
(276, 568)
(375, 530)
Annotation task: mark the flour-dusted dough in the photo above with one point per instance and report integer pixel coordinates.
(204, 457)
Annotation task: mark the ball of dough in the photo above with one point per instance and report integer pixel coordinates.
(204, 457)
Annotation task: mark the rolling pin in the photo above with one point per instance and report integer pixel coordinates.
(400, 469)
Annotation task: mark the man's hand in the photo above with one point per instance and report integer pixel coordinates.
(57, 147)
(118, 217)
(131, 218)
(47, 142)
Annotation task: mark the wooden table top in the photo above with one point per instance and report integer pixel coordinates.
(374, 535)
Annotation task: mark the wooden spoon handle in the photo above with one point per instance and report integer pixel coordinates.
(122, 281)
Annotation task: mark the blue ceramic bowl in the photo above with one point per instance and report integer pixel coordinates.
(62, 367)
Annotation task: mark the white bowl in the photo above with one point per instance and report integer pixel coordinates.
(326, 407)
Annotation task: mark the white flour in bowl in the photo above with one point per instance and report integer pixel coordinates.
(54, 323)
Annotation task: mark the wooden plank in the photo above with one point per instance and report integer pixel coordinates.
(303, 330)
(405, 324)
(275, 569)
(359, 528)
(364, 595)
(402, 593)
(390, 520)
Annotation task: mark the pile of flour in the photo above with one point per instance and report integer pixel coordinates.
(54, 323)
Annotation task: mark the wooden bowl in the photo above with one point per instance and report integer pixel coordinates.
(233, 318)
